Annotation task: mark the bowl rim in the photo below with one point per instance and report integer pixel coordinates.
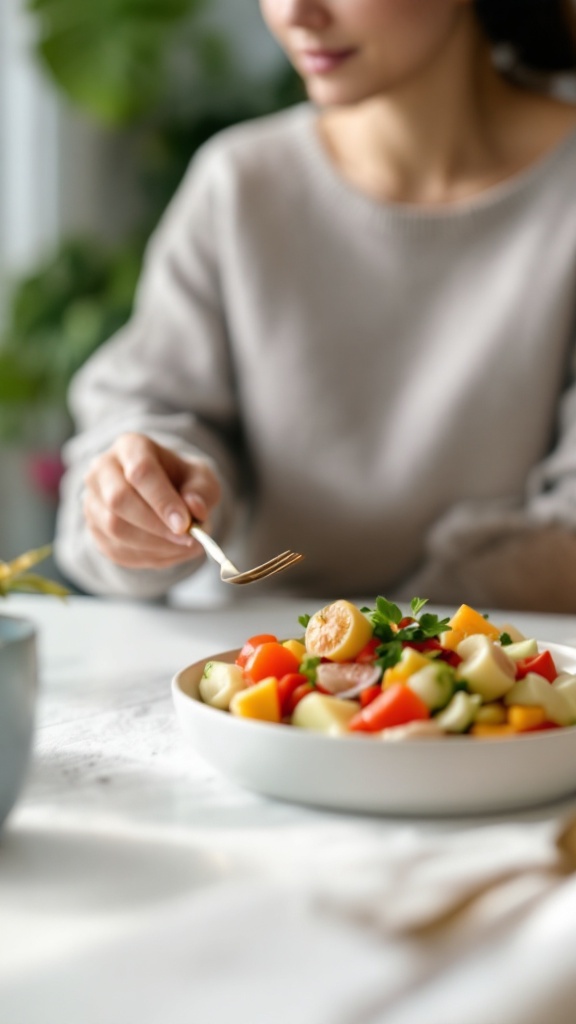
(26, 629)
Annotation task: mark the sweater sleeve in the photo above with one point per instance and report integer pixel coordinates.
(168, 374)
(511, 554)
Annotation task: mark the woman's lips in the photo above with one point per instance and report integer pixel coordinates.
(321, 62)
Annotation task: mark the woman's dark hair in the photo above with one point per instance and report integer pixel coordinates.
(539, 31)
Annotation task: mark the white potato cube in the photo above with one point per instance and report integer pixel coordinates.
(535, 691)
(220, 682)
(322, 713)
(486, 668)
(565, 685)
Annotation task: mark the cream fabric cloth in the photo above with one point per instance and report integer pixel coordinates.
(434, 924)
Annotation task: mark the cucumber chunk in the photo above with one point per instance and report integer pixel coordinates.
(460, 713)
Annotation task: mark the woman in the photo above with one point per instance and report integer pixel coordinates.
(358, 316)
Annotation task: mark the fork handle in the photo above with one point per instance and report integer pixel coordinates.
(210, 546)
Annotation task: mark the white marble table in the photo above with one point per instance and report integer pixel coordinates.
(138, 886)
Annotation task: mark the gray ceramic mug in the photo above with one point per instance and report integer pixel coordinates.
(18, 685)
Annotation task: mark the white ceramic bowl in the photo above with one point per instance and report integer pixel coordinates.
(18, 683)
(457, 775)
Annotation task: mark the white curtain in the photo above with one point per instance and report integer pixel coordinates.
(29, 208)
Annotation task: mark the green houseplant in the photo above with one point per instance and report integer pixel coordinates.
(16, 575)
(161, 75)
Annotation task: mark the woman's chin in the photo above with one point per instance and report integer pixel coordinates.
(328, 94)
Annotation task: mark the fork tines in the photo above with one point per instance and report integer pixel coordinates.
(274, 565)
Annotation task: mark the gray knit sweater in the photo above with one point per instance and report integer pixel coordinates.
(388, 386)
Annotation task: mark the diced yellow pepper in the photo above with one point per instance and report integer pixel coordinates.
(297, 649)
(410, 662)
(391, 677)
(260, 701)
(523, 718)
(487, 731)
(470, 622)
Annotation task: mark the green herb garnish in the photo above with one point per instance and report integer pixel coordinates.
(308, 667)
(386, 618)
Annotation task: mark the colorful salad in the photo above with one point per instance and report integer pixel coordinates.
(375, 671)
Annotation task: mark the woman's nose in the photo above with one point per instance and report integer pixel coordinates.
(314, 14)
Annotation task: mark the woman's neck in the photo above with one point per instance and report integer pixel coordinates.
(453, 131)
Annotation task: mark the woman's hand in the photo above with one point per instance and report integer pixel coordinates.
(140, 499)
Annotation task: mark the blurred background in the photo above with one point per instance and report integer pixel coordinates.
(102, 106)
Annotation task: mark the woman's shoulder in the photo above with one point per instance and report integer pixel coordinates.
(268, 138)
(544, 125)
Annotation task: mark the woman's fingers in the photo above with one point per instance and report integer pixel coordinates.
(110, 501)
(130, 546)
(133, 557)
(137, 493)
(149, 476)
(196, 482)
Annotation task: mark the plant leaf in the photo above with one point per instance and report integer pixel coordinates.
(109, 55)
(14, 575)
(29, 583)
(24, 562)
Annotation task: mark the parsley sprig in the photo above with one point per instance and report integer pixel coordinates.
(308, 667)
(386, 618)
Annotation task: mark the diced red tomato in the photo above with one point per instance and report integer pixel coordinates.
(450, 657)
(369, 694)
(286, 686)
(543, 727)
(397, 705)
(423, 645)
(297, 695)
(368, 653)
(542, 664)
(270, 659)
(408, 620)
(251, 645)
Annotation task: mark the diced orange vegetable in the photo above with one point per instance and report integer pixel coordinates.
(487, 731)
(270, 659)
(451, 638)
(395, 706)
(469, 622)
(260, 701)
(251, 645)
(523, 718)
(370, 694)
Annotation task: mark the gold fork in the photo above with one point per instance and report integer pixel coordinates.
(228, 571)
